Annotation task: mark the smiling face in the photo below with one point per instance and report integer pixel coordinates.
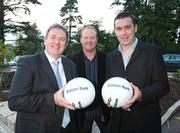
(88, 39)
(55, 42)
(125, 30)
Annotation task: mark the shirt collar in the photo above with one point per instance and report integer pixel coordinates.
(50, 59)
(86, 58)
(132, 48)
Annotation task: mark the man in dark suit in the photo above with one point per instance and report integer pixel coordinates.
(91, 65)
(34, 91)
(141, 64)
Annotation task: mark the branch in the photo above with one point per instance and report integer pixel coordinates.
(16, 8)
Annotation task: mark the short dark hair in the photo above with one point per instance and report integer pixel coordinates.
(124, 14)
(57, 26)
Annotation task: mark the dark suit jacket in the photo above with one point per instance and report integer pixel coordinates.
(146, 70)
(31, 94)
(78, 58)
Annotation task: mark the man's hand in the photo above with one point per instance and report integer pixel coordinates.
(136, 97)
(61, 101)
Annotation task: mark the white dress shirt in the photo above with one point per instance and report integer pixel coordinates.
(61, 69)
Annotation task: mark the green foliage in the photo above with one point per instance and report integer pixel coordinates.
(177, 75)
(15, 8)
(9, 52)
(70, 14)
(158, 21)
(74, 45)
(106, 41)
(2, 52)
(6, 53)
(29, 42)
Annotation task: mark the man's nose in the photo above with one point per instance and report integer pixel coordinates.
(57, 41)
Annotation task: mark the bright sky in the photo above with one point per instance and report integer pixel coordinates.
(48, 13)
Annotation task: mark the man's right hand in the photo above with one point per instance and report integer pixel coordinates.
(61, 101)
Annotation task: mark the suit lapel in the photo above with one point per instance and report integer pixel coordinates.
(81, 65)
(68, 73)
(48, 70)
(136, 52)
(119, 60)
(66, 69)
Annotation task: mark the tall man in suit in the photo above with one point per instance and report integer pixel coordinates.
(91, 65)
(34, 91)
(141, 64)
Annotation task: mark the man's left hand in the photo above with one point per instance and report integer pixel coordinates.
(136, 97)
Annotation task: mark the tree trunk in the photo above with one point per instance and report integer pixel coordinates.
(70, 26)
(2, 21)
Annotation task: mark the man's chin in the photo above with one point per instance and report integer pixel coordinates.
(125, 44)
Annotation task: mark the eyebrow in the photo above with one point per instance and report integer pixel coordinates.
(56, 35)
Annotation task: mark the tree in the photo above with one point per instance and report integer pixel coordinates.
(106, 41)
(29, 42)
(1, 21)
(6, 53)
(71, 16)
(9, 8)
(2, 53)
(158, 21)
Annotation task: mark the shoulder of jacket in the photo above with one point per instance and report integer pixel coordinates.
(75, 55)
(113, 53)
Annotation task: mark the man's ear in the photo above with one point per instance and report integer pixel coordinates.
(44, 41)
(136, 27)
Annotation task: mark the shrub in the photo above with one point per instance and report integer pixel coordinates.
(6, 53)
(177, 75)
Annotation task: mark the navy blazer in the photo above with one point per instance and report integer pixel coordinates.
(147, 71)
(32, 94)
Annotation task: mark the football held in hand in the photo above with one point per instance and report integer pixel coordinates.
(116, 92)
(80, 92)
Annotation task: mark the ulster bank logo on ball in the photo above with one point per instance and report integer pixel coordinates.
(116, 92)
(80, 92)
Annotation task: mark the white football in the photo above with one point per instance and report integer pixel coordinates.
(116, 92)
(80, 92)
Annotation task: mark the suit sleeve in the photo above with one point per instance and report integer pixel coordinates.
(159, 86)
(22, 98)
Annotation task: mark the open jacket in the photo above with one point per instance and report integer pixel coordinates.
(32, 94)
(147, 71)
